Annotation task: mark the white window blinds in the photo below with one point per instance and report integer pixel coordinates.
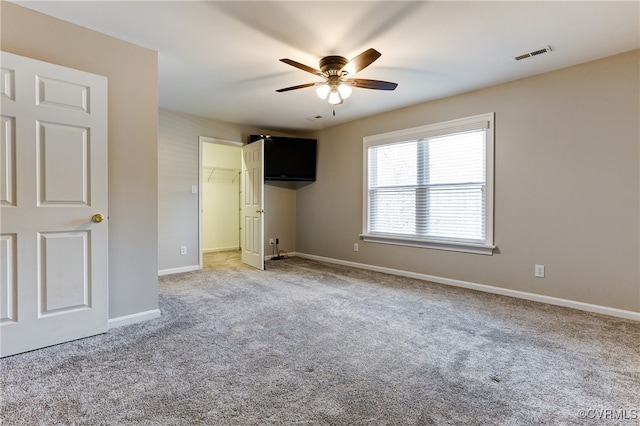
(433, 185)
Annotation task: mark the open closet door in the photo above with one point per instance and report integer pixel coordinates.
(253, 205)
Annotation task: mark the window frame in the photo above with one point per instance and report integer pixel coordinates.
(476, 122)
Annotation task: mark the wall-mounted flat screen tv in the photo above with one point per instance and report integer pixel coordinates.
(288, 159)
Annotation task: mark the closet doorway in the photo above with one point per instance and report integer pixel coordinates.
(219, 212)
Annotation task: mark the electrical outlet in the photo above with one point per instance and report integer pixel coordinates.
(277, 241)
(183, 250)
(355, 247)
(539, 271)
(270, 241)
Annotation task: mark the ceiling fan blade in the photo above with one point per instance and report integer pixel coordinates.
(300, 86)
(361, 61)
(373, 84)
(303, 67)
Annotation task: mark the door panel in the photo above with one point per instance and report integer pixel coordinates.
(53, 147)
(62, 94)
(252, 206)
(67, 289)
(8, 281)
(63, 164)
(7, 161)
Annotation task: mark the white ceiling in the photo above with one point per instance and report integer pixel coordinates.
(221, 59)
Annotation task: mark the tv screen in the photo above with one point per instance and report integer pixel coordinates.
(289, 159)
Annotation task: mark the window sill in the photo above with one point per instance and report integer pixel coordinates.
(436, 245)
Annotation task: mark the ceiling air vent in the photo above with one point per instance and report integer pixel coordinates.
(534, 53)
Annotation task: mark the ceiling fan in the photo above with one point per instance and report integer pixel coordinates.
(336, 72)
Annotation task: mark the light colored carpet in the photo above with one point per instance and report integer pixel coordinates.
(307, 343)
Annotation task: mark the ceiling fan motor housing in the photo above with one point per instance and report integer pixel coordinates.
(332, 64)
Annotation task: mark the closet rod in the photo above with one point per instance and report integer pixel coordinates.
(223, 169)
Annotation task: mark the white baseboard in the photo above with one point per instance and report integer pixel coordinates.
(215, 250)
(291, 254)
(170, 271)
(133, 318)
(605, 310)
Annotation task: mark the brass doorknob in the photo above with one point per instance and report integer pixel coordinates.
(97, 218)
(259, 211)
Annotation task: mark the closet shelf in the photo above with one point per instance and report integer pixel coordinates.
(221, 173)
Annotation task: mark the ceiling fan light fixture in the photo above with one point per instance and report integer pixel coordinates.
(344, 90)
(323, 91)
(334, 97)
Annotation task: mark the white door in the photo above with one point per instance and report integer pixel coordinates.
(252, 205)
(53, 204)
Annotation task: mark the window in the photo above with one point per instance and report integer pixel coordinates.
(431, 186)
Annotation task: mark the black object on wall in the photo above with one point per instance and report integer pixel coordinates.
(288, 159)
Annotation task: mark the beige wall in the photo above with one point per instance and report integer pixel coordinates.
(178, 170)
(567, 192)
(132, 139)
(279, 217)
(178, 165)
(567, 175)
